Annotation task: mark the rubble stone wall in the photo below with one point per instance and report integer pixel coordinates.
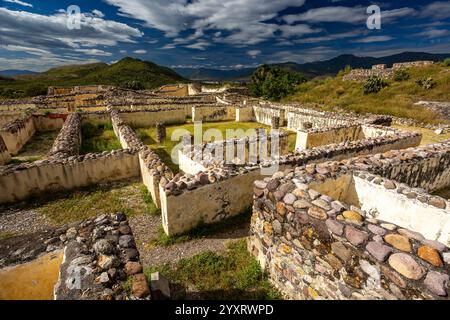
(315, 246)
(68, 141)
(218, 201)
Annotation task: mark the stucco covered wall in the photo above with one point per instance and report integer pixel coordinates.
(44, 177)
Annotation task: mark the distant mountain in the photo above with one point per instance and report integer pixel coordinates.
(313, 69)
(215, 74)
(14, 72)
(128, 70)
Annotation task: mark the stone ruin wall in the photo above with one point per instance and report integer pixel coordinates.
(317, 247)
(4, 153)
(265, 114)
(213, 113)
(227, 191)
(152, 168)
(196, 158)
(64, 169)
(68, 141)
(17, 133)
(382, 71)
(18, 182)
(310, 138)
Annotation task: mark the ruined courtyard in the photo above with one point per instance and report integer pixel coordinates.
(357, 207)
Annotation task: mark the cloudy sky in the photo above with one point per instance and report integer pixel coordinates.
(227, 34)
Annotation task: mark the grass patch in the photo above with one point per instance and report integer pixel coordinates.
(24, 160)
(233, 274)
(397, 99)
(428, 136)
(6, 235)
(90, 202)
(147, 198)
(97, 137)
(202, 230)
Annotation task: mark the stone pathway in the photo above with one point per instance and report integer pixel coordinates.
(145, 229)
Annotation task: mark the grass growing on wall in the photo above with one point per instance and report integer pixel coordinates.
(396, 99)
(233, 274)
(96, 138)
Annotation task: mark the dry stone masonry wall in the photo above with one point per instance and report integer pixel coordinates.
(315, 245)
(68, 141)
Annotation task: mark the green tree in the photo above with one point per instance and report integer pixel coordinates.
(274, 83)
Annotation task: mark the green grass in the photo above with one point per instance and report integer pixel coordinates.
(397, 99)
(93, 201)
(97, 138)
(6, 235)
(25, 160)
(428, 136)
(147, 198)
(233, 274)
(203, 230)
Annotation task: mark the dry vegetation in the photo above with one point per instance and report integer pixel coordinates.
(396, 99)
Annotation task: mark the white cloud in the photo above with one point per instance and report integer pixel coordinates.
(21, 3)
(346, 15)
(98, 13)
(50, 32)
(254, 53)
(437, 10)
(244, 20)
(304, 55)
(94, 52)
(374, 39)
(330, 37)
(140, 51)
(200, 45)
(434, 33)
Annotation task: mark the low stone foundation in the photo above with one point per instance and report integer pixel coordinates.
(99, 256)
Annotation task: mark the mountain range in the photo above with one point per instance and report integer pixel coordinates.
(312, 69)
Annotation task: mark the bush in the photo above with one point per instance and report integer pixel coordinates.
(274, 83)
(426, 83)
(344, 71)
(401, 75)
(446, 62)
(374, 85)
(134, 85)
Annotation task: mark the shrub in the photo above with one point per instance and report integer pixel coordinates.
(426, 83)
(134, 85)
(274, 83)
(446, 62)
(344, 71)
(374, 85)
(401, 75)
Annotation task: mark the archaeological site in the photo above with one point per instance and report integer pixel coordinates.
(224, 158)
(340, 206)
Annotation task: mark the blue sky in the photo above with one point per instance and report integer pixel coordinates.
(226, 34)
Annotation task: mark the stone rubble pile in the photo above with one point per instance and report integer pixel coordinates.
(68, 141)
(101, 262)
